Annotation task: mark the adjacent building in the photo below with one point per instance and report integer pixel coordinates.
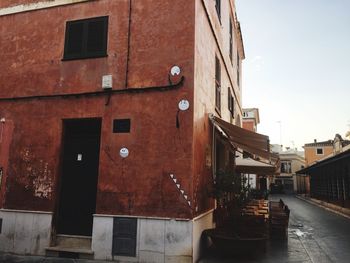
(258, 173)
(317, 150)
(291, 161)
(250, 122)
(105, 136)
(251, 119)
(330, 175)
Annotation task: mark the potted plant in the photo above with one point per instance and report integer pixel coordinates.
(230, 187)
(232, 233)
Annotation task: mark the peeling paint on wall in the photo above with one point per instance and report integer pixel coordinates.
(37, 175)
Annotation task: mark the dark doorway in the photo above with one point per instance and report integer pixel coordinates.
(79, 176)
(263, 184)
(220, 157)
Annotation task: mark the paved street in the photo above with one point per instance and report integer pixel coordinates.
(315, 235)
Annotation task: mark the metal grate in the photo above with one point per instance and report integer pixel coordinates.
(124, 236)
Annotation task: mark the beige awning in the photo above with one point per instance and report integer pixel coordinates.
(251, 142)
(250, 166)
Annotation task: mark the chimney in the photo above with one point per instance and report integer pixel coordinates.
(315, 140)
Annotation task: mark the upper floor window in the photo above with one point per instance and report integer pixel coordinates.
(231, 104)
(217, 84)
(319, 151)
(286, 167)
(86, 38)
(231, 40)
(218, 8)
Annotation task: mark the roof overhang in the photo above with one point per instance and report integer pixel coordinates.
(330, 160)
(250, 166)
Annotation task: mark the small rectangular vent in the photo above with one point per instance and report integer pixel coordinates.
(121, 126)
(124, 236)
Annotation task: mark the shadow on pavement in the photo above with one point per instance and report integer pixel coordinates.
(276, 251)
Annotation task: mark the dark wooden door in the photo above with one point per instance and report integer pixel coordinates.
(263, 184)
(79, 176)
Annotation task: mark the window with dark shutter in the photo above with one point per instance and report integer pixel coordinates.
(86, 38)
(124, 236)
(217, 84)
(229, 98)
(319, 151)
(231, 40)
(231, 105)
(218, 8)
(74, 39)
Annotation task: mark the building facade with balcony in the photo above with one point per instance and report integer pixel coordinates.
(105, 139)
(291, 161)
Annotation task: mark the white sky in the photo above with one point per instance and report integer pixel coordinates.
(297, 67)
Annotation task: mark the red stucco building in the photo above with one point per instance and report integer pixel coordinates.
(96, 152)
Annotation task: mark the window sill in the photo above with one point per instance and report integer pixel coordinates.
(81, 58)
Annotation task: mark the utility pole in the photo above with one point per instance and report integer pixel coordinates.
(280, 123)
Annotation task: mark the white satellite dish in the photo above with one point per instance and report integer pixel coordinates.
(175, 71)
(124, 152)
(184, 105)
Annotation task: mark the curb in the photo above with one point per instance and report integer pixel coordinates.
(345, 212)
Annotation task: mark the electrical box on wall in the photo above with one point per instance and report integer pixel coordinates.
(107, 82)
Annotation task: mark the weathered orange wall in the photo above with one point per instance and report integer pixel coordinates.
(311, 156)
(162, 34)
(207, 47)
(248, 125)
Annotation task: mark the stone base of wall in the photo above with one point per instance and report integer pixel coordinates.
(200, 223)
(25, 232)
(158, 239)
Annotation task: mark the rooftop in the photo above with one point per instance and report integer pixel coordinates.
(315, 144)
(329, 142)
